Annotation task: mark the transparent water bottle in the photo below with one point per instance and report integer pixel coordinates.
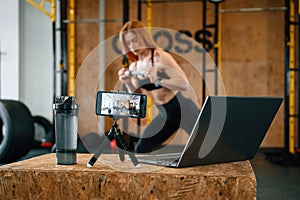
(66, 127)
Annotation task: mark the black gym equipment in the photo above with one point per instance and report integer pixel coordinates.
(16, 133)
(43, 132)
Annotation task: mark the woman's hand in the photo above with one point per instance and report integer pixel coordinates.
(122, 77)
(151, 73)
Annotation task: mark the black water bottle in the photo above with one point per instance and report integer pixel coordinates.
(66, 127)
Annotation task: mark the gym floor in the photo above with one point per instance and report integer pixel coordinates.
(274, 181)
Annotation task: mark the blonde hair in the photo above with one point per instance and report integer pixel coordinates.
(139, 29)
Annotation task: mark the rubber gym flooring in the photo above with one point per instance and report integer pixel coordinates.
(274, 181)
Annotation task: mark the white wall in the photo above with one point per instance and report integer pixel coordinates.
(36, 60)
(9, 47)
(27, 63)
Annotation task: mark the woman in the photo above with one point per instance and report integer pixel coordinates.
(155, 72)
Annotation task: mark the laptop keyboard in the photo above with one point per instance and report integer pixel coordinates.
(162, 159)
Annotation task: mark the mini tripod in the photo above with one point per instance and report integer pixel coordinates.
(114, 133)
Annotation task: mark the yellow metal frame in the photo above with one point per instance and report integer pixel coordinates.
(149, 13)
(71, 49)
(292, 80)
(149, 25)
(41, 8)
(219, 45)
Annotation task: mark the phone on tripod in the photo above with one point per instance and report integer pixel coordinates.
(121, 104)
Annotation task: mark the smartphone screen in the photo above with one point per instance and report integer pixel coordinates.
(118, 104)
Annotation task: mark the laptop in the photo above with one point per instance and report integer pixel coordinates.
(227, 129)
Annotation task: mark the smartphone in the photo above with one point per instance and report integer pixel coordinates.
(121, 105)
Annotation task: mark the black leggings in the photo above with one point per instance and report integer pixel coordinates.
(179, 112)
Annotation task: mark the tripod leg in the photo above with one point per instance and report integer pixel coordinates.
(126, 148)
(133, 159)
(98, 153)
(121, 151)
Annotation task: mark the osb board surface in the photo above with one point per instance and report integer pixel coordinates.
(41, 178)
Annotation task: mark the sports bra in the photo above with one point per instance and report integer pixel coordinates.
(145, 83)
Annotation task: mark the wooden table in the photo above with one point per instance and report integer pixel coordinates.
(41, 178)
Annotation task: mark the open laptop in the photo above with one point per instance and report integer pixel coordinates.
(227, 129)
